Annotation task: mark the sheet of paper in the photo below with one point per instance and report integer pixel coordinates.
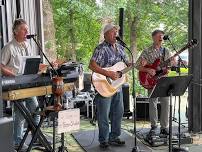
(68, 120)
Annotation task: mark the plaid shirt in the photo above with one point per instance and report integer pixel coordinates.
(151, 54)
(105, 55)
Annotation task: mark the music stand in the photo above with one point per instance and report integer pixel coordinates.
(168, 87)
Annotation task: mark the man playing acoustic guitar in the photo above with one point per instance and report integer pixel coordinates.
(107, 54)
(151, 54)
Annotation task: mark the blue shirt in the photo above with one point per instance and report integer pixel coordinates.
(105, 55)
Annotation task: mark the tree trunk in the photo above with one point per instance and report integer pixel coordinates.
(132, 24)
(133, 37)
(49, 31)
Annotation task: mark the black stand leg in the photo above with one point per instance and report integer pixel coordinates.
(171, 148)
(33, 127)
(179, 148)
(62, 148)
(175, 119)
(23, 140)
(170, 125)
(93, 121)
(35, 133)
(135, 148)
(54, 133)
(179, 131)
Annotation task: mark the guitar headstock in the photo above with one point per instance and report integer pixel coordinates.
(192, 43)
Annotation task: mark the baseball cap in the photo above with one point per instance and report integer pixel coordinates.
(109, 26)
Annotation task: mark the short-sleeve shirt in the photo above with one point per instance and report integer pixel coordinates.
(106, 56)
(12, 52)
(151, 54)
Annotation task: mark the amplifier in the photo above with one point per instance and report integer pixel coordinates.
(142, 106)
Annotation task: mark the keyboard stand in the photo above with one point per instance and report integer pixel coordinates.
(37, 133)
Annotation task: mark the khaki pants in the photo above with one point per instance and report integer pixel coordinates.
(153, 112)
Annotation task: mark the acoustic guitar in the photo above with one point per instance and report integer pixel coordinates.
(106, 86)
(148, 81)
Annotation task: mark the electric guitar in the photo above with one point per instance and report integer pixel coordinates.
(148, 81)
(106, 86)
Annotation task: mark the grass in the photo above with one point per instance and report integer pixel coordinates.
(183, 71)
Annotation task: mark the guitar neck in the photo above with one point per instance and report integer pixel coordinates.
(166, 62)
(190, 44)
(127, 69)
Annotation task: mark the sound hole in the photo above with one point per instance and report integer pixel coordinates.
(120, 74)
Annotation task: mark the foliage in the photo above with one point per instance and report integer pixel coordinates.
(85, 25)
(172, 16)
(169, 15)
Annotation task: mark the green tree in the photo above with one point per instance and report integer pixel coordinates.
(77, 28)
(78, 24)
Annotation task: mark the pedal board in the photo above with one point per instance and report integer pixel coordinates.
(155, 140)
(183, 140)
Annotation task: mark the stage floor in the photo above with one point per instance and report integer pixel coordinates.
(127, 125)
(89, 142)
(142, 126)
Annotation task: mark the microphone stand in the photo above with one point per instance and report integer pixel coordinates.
(135, 148)
(180, 62)
(40, 49)
(58, 92)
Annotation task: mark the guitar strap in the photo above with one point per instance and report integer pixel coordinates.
(164, 54)
(122, 58)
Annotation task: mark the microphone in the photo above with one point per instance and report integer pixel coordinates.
(166, 37)
(121, 41)
(31, 36)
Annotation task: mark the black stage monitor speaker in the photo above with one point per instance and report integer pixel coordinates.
(142, 106)
(126, 97)
(126, 100)
(121, 22)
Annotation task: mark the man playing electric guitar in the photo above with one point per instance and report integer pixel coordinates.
(107, 54)
(151, 54)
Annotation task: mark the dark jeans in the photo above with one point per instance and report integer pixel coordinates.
(19, 120)
(112, 106)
